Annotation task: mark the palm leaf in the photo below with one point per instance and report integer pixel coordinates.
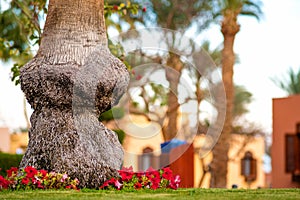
(291, 84)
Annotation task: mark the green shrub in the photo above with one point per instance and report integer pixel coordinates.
(9, 160)
(121, 135)
(114, 113)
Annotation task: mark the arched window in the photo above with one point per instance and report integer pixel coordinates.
(146, 159)
(248, 166)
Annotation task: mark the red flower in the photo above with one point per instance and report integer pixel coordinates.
(126, 173)
(167, 173)
(126, 176)
(31, 171)
(43, 173)
(153, 175)
(3, 183)
(149, 179)
(154, 185)
(39, 185)
(115, 7)
(144, 9)
(138, 185)
(104, 185)
(12, 172)
(68, 187)
(25, 181)
(139, 174)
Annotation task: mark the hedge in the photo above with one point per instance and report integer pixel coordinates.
(9, 160)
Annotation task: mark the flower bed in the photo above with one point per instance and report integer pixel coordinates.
(150, 179)
(31, 178)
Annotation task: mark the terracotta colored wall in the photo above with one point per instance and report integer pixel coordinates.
(286, 114)
(183, 164)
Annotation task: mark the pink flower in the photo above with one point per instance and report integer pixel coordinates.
(64, 177)
(177, 179)
(174, 182)
(76, 181)
(118, 185)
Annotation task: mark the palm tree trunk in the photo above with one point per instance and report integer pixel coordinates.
(72, 79)
(219, 164)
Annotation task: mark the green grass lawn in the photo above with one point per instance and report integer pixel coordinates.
(232, 194)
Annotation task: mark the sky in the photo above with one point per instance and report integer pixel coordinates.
(266, 49)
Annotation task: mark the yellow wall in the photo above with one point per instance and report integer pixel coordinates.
(141, 134)
(18, 141)
(11, 142)
(255, 145)
(257, 148)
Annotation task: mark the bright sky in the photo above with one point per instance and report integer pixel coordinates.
(266, 49)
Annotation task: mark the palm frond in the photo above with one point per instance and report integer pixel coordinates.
(250, 14)
(291, 84)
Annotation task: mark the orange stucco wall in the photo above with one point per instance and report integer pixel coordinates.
(4, 140)
(286, 114)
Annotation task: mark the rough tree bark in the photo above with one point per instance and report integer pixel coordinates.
(72, 79)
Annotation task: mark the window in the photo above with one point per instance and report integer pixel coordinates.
(292, 155)
(146, 159)
(248, 165)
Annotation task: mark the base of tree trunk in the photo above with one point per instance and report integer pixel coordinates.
(91, 154)
(66, 135)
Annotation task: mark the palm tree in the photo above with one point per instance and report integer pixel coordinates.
(228, 10)
(291, 85)
(242, 98)
(176, 15)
